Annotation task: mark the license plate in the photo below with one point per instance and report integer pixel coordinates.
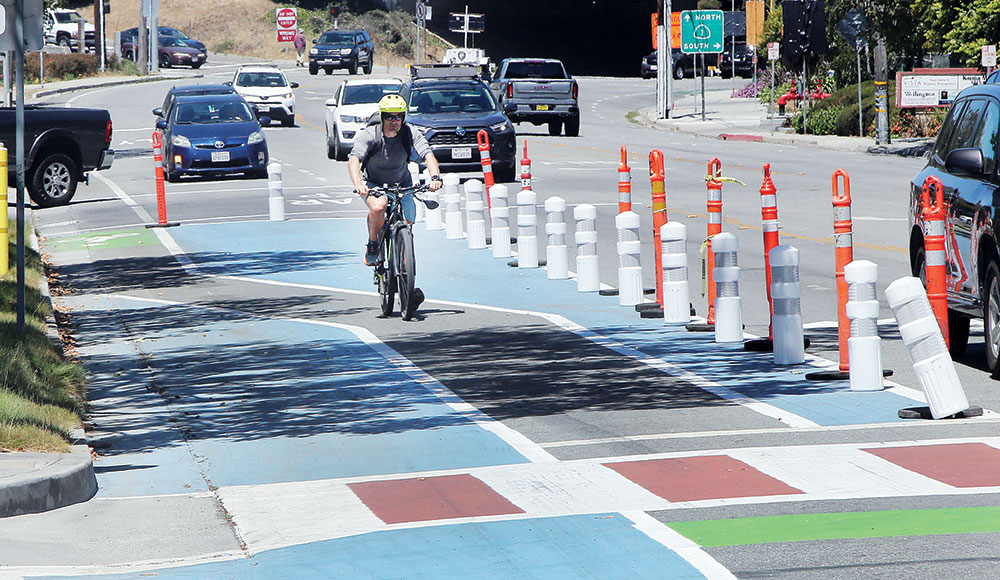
(263, 108)
(461, 153)
(220, 156)
(541, 107)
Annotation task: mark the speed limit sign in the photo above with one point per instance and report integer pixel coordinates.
(421, 11)
(287, 20)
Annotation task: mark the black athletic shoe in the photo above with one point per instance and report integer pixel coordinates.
(371, 254)
(417, 298)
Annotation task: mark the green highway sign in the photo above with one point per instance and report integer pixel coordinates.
(701, 31)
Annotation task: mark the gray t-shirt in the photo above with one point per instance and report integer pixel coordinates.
(386, 157)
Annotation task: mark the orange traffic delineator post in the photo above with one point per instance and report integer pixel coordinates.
(525, 168)
(624, 184)
(769, 219)
(713, 183)
(934, 214)
(483, 139)
(659, 193)
(161, 196)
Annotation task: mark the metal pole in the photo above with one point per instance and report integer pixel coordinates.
(771, 106)
(667, 23)
(41, 67)
(702, 55)
(733, 63)
(861, 122)
(465, 29)
(19, 157)
(805, 96)
(662, 56)
(8, 56)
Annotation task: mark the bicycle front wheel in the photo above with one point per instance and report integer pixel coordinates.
(406, 271)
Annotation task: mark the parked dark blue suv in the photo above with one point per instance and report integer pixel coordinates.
(965, 160)
(450, 105)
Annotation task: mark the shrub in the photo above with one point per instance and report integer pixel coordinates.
(820, 121)
(60, 66)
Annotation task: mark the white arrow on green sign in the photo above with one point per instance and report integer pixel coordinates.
(701, 31)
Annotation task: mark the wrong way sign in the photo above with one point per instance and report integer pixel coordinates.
(287, 20)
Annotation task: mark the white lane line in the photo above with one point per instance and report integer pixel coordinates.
(691, 552)
(139, 566)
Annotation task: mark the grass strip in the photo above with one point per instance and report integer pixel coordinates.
(805, 527)
(41, 392)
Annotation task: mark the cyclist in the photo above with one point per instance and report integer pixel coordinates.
(381, 152)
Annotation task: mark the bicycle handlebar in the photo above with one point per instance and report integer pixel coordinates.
(402, 191)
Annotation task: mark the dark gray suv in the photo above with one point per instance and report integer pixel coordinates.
(350, 49)
(965, 160)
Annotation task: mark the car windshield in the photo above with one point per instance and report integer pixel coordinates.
(67, 17)
(336, 38)
(207, 113)
(474, 99)
(261, 79)
(357, 94)
(535, 70)
(170, 41)
(173, 32)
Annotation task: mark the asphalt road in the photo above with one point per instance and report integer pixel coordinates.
(229, 384)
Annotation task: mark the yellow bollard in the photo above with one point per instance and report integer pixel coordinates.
(4, 253)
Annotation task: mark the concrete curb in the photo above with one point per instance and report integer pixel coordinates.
(37, 482)
(110, 83)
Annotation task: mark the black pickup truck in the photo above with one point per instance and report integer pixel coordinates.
(540, 91)
(63, 145)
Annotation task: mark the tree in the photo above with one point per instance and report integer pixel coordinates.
(959, 27)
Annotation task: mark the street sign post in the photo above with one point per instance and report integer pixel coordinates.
(287, 20)
(989, 56)
(701, 31)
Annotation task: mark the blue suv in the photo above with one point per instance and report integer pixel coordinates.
(350, 49)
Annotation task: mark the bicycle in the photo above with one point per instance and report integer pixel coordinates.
(396, 267)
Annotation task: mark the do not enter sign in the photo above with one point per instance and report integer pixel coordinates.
(287, 20)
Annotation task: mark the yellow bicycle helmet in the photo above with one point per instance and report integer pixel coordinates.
(392, 104)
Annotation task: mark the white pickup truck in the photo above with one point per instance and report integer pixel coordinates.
(62, 27)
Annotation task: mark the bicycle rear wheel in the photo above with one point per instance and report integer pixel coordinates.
(406, 271)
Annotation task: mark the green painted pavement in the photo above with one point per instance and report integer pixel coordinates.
(123, 238)
(803, 527)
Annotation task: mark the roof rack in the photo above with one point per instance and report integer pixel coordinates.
(443, 71)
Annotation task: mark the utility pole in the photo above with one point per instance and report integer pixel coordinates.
(881, 92)
(664, 61)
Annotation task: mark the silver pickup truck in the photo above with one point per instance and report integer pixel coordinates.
(542, 92)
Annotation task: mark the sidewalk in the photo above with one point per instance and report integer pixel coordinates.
(745, 119)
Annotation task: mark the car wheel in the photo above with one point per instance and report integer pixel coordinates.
(328, 69)
(258, 173)
(164, 61)
(288, 121)
(127, 55)
(504, 174)
(172, 176)
(64, 41)
(555, 127)
(573, 127)
(53, 181)
(678, 72)
(958, 332)
(368, 68)
(331, 146)
(313, 68)
(991, 317)
(352, 68)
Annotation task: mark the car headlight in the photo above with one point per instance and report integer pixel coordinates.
(501, 126)
(180, 141)
(255, 137)
(201, 54)
(286, 96)
(313, 51)
(345, 51)
(352, 119)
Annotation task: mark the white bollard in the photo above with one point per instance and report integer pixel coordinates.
(864, 347)
(416, 179)
(923, 340)
(588, 277)
(527, 229)
(276, 195)
(500, 218)
(629, 263)
(676, 300)
(452, 208)
(786, 298)
(556, 254)
(728, 304)
(475, 216)
(433, 216)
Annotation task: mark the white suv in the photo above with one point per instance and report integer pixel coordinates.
(349, 110)
(267, 90)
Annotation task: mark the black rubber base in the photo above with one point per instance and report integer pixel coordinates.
(837, 375)
(651, 313)
(513, 263)
(489, 241)
(166, 225)
(766, 345)
(700, 327)
(647, 306)
(925, 413)
(608, 292)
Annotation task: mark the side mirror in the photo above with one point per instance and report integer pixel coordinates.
(161, 125)
(265, 120)
(158, 111)
(964, 161)
(294, 85)
(331, 102)
(509, 108)
(315, 40)
(228, 83)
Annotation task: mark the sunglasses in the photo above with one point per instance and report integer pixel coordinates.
(392, 117)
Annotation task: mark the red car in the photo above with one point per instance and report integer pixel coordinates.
(172, 51)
